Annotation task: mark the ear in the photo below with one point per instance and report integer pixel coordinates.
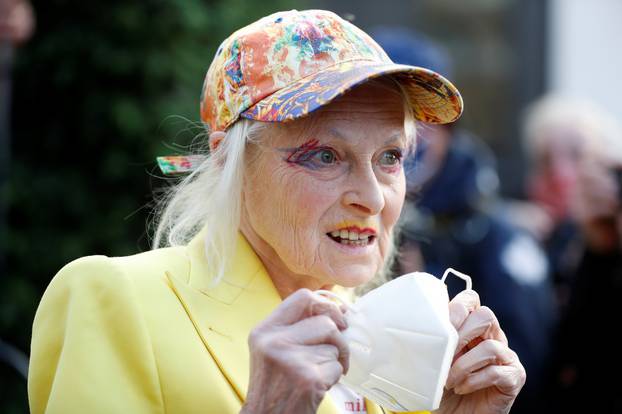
(214, 139)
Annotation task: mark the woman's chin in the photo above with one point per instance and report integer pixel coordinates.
(350, 266)
(353, 275)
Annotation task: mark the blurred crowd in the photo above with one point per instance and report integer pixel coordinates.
(549, 266)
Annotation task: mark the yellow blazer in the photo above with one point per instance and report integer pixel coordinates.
(147, 334)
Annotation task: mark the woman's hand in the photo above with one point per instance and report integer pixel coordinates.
(297, 354)
(486, 375)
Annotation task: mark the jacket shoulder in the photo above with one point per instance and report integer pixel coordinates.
(99, 271)
(153, 264)
(90, 324)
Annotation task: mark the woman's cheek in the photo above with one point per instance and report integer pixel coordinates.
(312, 201)
(301, 202)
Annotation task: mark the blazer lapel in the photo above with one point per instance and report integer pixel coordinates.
(224, 315)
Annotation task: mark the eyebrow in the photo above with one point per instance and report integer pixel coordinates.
(395, 137)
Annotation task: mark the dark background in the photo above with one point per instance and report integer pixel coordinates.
(103, 87)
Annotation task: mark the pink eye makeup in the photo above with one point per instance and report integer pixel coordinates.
(326, 160)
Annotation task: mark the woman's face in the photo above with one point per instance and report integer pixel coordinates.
(322, 194)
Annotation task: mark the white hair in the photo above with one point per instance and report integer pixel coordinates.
(599, 132)
(211, 196)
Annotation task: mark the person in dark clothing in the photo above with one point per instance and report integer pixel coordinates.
(561, 136)
(587, 353)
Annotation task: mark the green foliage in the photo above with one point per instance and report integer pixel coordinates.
(100, 90)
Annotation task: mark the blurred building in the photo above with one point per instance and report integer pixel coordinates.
(584, 51)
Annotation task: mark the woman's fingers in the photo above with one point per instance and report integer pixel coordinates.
(461, 306)
(474, 323)
(331, 371)
(325, 306)
(302, 304)
(481, 323)
(303, 318)
(508, 379)
(487, 353)
(297, 353)
(319, 330)
(483, 358)
(326, 361)
(291, 309)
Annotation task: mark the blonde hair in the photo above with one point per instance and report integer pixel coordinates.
(211, 196)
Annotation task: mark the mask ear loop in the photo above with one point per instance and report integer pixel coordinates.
(336, 297)
(461, 275)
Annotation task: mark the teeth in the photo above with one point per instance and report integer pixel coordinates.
(350, 237)
(354, 242)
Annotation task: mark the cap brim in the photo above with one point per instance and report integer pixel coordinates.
(433, 98)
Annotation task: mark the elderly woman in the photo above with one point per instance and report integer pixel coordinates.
(308, 123)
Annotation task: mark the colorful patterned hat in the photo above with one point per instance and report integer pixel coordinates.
(286, 65)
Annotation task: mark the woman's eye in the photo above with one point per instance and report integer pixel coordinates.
(391, 158)
(312, 156)
(326, 156)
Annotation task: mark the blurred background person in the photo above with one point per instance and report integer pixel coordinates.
(450, 221)
(586, 352)
(562, 137)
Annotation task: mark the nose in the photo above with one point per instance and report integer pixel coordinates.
(365, 195)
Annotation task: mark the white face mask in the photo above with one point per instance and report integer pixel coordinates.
(401, 342)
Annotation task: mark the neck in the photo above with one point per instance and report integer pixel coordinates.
(285, 281)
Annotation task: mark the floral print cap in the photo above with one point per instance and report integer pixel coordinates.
(286, 65)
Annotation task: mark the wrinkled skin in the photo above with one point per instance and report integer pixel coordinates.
(298, 353)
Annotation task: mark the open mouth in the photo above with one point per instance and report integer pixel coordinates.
(351, 238)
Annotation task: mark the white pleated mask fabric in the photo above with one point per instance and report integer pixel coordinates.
(401, 341)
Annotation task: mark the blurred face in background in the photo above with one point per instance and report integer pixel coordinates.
(554, 171)
(323, 193)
